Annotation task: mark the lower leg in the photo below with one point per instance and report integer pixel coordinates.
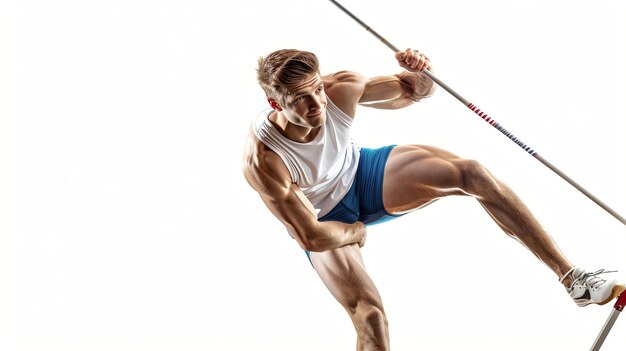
(510, 213)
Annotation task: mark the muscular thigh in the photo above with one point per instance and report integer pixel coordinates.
(416, 175)
(343, 273)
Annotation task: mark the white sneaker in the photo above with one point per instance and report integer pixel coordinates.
(588, 288)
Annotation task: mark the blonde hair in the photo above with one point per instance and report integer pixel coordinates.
(281, 70)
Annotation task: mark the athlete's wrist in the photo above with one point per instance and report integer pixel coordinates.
(361, 233)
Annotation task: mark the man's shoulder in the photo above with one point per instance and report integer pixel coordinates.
(256, 152)
(260, 161)
(345, 88)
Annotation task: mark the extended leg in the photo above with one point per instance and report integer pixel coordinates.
(416, 175)
(513, 216)
(343, 273)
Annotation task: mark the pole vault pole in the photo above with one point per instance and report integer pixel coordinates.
(617, 309)
(491, 121)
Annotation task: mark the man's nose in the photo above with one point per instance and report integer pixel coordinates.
(316, 103)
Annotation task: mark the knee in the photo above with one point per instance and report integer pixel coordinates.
(476, 179)
(371, 321)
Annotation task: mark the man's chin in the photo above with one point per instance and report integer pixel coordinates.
(317, 120)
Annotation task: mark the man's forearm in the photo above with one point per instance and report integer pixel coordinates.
(332, 234)
(417, 85)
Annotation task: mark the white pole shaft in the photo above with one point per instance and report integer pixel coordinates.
(605, 330)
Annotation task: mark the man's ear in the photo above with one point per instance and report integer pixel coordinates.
(274, 104)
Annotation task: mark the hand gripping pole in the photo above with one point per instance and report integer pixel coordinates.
(617, 309)
(491, 121)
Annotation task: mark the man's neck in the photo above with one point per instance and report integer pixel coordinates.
(292, 131)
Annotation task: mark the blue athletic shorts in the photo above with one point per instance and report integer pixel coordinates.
(364, 200)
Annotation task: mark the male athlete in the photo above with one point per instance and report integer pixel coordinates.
(301, 160)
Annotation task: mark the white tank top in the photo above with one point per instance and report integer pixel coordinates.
(323, 168)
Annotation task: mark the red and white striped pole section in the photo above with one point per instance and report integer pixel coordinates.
(491, 121)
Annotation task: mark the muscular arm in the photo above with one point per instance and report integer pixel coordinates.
(266, 173)
(396, 91)
(347, 89)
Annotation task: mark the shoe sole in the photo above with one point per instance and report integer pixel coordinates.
(617, 290)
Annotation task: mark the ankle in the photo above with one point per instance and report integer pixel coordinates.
(566, 277)
(567, 282)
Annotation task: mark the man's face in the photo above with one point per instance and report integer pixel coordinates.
(306, 104)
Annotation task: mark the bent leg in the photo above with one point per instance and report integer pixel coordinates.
(416, 175)
(343, 273)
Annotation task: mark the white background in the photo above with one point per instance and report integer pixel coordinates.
(126, 224)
